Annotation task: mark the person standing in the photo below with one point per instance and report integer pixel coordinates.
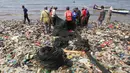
(87, 16)
(46, 19)
(53, 15)
(109, 14)
(50, 11)
(83, 17)
(101, 16)
(25, 15)
(78, 19)
(74, 16)
(68, 18)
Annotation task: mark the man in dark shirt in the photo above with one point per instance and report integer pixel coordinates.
(78, 19)
(102, 15)
(87, 17)
(25, 15)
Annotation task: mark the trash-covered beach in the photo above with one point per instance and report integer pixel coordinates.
(109, 50)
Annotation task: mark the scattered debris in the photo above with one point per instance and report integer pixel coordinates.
(109, 45)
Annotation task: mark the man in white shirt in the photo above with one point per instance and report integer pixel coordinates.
(109, 14)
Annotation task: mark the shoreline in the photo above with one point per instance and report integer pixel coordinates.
(93, 17)
(35, 19)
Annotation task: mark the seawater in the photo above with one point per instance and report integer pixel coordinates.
(11, 9)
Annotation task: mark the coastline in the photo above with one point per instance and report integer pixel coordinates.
(35, 15)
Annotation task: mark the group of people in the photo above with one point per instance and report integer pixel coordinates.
(72, 18)
(76, 18)
(48, 17)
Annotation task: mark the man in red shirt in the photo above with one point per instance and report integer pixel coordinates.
(68, 16)
(83, 16)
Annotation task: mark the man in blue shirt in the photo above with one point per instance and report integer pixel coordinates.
(78, 19)
(25, 15)
(74, 15)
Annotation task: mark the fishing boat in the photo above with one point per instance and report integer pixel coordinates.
(99, 8)
(121, 11)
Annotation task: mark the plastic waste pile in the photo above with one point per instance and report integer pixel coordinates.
(18, 44)
(110, 46)
(82, 64)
